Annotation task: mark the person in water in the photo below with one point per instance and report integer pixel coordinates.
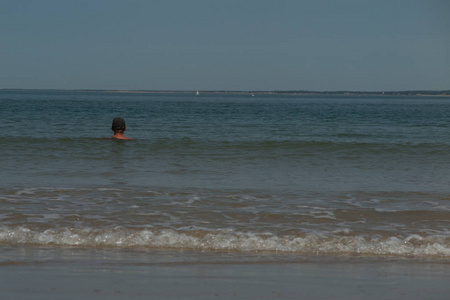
(119, 127)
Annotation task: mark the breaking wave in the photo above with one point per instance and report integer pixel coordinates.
(309, 244)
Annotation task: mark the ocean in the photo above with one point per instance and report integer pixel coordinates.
(269, 174)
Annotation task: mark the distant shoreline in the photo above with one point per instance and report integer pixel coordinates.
(441, 93)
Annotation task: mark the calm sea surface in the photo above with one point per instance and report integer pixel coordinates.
(269, 173)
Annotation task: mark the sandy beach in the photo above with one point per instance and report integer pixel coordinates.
(42, 273)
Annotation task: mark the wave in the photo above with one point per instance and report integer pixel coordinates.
(309, 244)
(263, 144)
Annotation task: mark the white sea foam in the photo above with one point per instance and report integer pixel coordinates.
(313, 243)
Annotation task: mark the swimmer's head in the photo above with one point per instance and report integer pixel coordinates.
(118, 124)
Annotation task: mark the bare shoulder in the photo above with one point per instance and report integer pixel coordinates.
(120, 137)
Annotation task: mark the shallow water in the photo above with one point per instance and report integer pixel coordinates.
(275, 174)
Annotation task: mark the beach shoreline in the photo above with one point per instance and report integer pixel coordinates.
(73, 273)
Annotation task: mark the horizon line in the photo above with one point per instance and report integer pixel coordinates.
(300, 91)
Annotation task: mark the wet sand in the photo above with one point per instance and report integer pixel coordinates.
(28, 273)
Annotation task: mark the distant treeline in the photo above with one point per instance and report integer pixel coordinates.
(388, 93)
(283, 92)
(343, 93)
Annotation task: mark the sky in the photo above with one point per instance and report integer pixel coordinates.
(247, 45)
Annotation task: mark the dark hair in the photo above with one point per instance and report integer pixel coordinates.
(118, 124)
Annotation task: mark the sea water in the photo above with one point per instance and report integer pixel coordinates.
(307, 175)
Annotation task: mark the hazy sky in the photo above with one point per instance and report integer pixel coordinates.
(367, 45)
